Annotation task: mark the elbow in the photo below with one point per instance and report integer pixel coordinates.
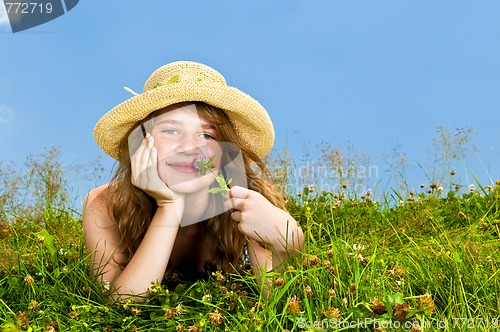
(295, 241)
(117, 296)
(300, 239)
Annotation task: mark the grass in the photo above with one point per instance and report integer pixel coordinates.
(430, 262)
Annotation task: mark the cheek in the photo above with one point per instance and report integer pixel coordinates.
(215, 150)
(163, 147)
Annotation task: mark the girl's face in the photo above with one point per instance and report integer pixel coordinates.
(181, 136)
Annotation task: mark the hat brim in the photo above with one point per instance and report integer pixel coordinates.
(249, 119)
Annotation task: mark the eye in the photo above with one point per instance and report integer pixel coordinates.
(170, 131)
(207, 136)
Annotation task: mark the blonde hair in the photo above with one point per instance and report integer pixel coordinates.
(133, 209)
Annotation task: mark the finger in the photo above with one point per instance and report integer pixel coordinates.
(139, 155)
(238, 192)
(146, 155)
(237, 216)
(152, 165)
(135, 161)
(234, 203)
(142, 163)
(146, 161)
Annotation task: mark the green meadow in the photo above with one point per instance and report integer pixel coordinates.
(398, 259)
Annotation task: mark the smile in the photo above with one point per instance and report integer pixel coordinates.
(183, 167)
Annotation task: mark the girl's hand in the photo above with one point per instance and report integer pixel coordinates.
(259, 219)
(144, 164)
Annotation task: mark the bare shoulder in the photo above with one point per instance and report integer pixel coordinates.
(99, 191)
(101, 234)
(96, 209)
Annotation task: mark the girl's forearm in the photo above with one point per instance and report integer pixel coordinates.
(289, 241)
(150, 261)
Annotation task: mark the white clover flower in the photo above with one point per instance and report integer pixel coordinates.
(358, 247)
(358, 257)
(357, 251)
(106, 284)
(471, 187)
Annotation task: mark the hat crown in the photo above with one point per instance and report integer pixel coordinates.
(184, 81)
(183, 72)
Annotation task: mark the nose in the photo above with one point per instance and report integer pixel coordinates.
(189, 145)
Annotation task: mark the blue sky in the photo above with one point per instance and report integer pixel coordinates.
(375, 74)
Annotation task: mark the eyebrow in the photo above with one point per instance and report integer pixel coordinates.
(175, 122)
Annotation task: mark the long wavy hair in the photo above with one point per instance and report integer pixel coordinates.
(133, 209)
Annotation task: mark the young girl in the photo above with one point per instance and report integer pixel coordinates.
(157, 216)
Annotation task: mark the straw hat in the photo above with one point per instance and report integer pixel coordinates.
(188, 81)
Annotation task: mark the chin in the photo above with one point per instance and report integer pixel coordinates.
(192, 186)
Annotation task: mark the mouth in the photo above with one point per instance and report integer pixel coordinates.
(183, 167)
